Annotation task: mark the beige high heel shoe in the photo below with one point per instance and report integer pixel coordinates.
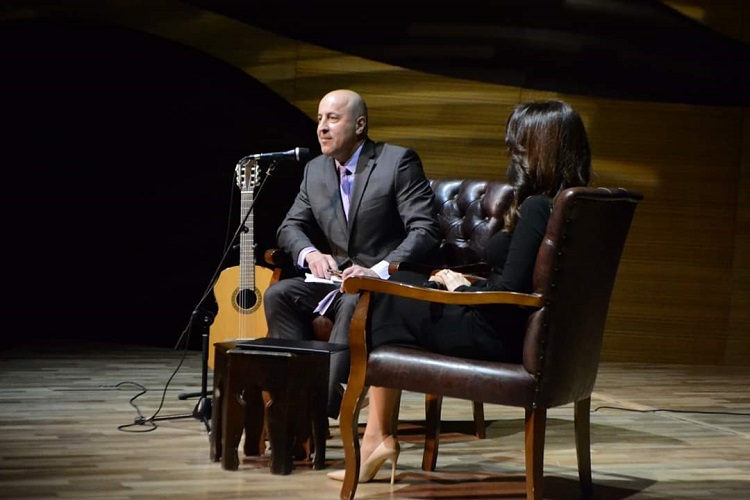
(374, 462)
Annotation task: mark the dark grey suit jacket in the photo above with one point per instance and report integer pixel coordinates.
(392, 214)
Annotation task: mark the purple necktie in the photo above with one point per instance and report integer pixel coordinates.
(346, 187)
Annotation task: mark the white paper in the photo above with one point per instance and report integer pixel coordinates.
(309, 278)
(323, 305)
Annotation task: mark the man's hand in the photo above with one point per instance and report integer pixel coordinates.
(356, 270)
(320, 264)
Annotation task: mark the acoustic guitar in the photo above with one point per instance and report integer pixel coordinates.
(239, 289)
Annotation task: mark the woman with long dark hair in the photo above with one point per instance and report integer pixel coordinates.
(549, 152)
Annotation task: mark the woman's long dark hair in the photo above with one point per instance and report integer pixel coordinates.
(549, 152)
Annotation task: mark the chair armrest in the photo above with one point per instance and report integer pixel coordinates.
(281, 263)
(356, 284)
(358, 348)
(277, 257)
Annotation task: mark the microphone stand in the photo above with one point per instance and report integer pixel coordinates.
(202, 410)
(204, 318)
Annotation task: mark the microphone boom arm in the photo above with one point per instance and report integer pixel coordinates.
(296, 153)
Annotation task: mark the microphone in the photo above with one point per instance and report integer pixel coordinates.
(296, 153)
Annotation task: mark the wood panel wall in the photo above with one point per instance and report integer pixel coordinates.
(732, 18)
(680, 296)
(683, 289)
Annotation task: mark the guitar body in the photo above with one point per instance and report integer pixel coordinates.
(241, 314)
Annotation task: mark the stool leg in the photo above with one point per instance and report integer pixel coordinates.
(232, 421)
(254, 419)
(216, 427)
(216, 416)
(318, 405)
(303, 446)
(281, 433)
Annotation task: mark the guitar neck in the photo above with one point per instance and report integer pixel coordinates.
(247, 179)
(247, 243)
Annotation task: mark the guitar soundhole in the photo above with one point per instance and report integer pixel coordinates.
(248, 299)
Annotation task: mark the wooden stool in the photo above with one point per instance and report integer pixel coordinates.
(219, 391)
(294, 375)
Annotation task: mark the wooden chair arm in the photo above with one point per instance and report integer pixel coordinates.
(355, 389)
(277, 257)
(356, 284)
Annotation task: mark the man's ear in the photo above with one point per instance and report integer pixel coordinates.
(361, 122)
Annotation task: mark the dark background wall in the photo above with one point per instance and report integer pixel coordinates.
(118, 160)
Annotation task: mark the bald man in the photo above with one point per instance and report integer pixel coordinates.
(361, 205)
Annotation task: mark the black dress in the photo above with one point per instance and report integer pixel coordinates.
(491, 332)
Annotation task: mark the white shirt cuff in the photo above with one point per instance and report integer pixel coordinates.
(301, 257)
(381, 269)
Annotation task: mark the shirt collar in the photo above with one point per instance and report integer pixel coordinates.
(351, 163)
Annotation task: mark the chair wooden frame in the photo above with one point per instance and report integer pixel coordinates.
(584, 241)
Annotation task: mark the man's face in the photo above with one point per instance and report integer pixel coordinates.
(337, 127)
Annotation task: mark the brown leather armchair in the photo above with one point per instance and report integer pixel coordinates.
(470, 212)
(573, 279)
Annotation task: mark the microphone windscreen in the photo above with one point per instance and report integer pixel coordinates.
(302, 153)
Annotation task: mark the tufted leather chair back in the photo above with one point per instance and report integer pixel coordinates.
(470, 211)
(575, 271)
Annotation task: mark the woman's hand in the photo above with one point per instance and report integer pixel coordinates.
(449, 279)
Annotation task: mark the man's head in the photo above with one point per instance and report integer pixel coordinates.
(342, 123)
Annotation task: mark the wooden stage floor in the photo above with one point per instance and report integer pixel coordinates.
(67, 412)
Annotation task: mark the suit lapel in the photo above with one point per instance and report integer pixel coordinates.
(364, 168)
